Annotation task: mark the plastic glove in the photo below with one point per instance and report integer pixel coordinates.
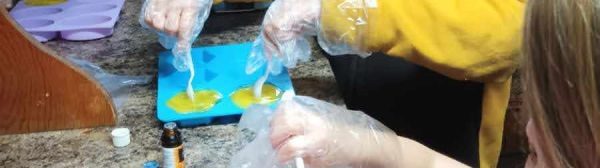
(288, 24)
(182, 21)
(6, 3)
(326, 135)
(178, 23)
(245, 1)
(283, 40)
(323, 134)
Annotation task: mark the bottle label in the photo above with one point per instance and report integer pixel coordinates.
(173, 157)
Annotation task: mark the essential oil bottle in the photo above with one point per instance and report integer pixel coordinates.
(172, 147)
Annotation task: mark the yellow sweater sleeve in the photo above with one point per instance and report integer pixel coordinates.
(464, 39)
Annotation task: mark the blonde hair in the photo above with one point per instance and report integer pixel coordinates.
(561, 48)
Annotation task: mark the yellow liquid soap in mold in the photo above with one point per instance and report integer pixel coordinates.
(244, 97)
(204, 100)
(43, 2)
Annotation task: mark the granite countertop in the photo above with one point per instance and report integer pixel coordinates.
(131, 50)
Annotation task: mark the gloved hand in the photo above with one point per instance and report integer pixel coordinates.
(323, 134)
(244, 1)
(288, 24)
(178, 23)
(6, 3)
(326, 135)
(283, 40)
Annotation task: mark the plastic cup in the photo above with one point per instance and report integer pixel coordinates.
(121, 137)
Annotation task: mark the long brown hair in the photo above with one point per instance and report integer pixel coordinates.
(561, 48)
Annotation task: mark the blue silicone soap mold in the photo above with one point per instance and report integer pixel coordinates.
(220, 68)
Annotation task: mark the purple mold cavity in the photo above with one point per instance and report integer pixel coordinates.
(75, 20)
(34, 23)
(86, 34)
(34, 12)
(87, 20)
(88, 1)
(91, 8)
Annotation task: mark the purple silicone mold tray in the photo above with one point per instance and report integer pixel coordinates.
(74, 20)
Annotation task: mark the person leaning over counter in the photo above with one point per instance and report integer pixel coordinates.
(561, 97)
(475, 41)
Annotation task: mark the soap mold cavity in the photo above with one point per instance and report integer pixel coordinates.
(88, 1)
(34, 12)
(34, 23)
(37, 23)
(220, 68)
(85, 34)
(86, 20)
(74, 20)
(91, 8)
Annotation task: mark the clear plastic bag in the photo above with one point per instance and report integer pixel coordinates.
(343, 25)
(340, 27)
(316, 133)
(258, 152)
(180, 46)
(288, 24)
(6, 3)
(184, 19)
(117, 86)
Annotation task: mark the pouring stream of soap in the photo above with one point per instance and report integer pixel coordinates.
(299, 162)
(257, 88)
(259, 85)
(190, 90)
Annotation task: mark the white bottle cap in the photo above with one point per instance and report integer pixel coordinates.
(120, 137)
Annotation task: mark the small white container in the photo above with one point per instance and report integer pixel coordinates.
(121, 137)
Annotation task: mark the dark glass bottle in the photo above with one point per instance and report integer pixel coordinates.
(172, 146)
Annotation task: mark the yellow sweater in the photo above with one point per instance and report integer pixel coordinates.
(476, 40)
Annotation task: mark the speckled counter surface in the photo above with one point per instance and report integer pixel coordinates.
(133, 51)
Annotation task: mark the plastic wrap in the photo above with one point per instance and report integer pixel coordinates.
(6, 3)
(322, 134)
(117, 86)
(177, 23)
(288, 24)
(343, 26)
(284, 39)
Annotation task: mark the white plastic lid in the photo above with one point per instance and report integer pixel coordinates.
(120, 137)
